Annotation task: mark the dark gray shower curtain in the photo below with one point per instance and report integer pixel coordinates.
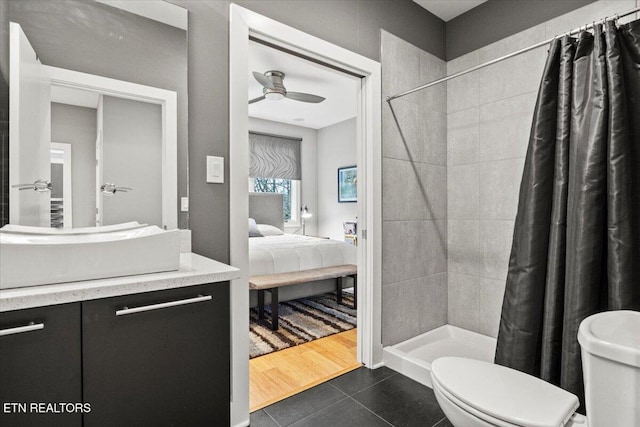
(576, 243)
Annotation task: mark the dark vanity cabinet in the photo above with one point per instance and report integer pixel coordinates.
(148, 359)
(158, 358)
(40, 366)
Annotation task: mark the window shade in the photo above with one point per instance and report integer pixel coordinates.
(272, 156)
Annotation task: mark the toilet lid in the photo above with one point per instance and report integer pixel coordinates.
(503, 393)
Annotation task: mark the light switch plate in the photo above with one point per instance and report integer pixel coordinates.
(215, 170)
(184, 204)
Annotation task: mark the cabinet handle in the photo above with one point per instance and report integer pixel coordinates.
(19, 329)
(126, 310)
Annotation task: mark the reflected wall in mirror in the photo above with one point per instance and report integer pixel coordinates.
(112, 136)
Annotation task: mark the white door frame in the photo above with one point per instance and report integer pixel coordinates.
(67, 186)
(242, 23)
(168, 101)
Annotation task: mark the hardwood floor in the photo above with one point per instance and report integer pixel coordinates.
(281, 374)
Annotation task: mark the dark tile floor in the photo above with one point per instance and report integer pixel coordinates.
(364, 397)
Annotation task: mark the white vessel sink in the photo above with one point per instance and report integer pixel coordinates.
(27, 229)
(28, 259)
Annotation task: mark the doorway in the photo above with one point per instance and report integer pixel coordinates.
(303, 156)
(244, 23)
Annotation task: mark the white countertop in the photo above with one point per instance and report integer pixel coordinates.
(194, 270)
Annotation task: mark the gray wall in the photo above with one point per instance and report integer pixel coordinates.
(337, 147)
(356, 24)
(94, 38)
(78, 126)
(497, 19)
(414, 197)
(132, 157)
(353, 24)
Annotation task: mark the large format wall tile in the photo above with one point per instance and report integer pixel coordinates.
(414, 194)
(491, 296)
(514, 76)
(413, 307)
(435, 179)
(499, 188)
(505, 126)
(431, 69)
(463, 137)
(513, 43)
(434, 137)
(464, 301)
(404, 192)
(435, 234)
(400, 65)
(393, 144)
(463, 189)
(463, 92)
(496, 238)
(413, 249)
(464, 246)
(403, 251)
(463, 62)
(412, 191)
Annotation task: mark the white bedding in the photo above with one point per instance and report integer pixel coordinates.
(293, 252)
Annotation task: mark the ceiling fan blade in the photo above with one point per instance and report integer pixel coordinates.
(260, 98)
(263, 80)
(304, 97)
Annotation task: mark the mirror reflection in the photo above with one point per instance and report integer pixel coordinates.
(98, 113)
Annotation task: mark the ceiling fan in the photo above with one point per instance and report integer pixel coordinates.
(273, 89)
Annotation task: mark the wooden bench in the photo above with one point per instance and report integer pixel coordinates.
(271, 283)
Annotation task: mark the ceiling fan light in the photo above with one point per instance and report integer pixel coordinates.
(274, 96)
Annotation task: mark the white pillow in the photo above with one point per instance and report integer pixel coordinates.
(269, 230)
(253, 229)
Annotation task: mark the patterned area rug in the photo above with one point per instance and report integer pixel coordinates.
(301, 321)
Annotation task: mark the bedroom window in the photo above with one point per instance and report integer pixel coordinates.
(275, 167)
(289, 187)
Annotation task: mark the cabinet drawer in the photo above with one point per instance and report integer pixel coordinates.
(158, 358)
(40, 363)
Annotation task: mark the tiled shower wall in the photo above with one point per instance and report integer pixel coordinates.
(414, 196)
(488, 123)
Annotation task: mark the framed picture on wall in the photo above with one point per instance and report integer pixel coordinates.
(348, 184)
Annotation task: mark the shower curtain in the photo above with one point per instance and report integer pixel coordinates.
(576, 243)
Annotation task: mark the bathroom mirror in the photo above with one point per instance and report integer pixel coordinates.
(98, 113)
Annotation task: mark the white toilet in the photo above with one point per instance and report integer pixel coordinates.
(474, 393)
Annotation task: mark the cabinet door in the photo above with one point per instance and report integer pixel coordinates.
(164, 365)
(40, 364)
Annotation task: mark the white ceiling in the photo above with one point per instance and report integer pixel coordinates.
(339, 89)
(449, 9)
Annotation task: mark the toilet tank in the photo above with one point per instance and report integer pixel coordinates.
(610, 344)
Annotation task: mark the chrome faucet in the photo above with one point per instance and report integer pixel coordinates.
(40, 185)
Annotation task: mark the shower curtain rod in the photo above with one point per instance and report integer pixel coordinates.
(511, 55)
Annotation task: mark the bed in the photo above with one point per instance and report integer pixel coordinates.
(293, 252)
(285, 253)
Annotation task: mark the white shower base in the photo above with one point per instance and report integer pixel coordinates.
(413, 357)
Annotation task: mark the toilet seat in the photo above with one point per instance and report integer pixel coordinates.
(502, 396)
(494, 422)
